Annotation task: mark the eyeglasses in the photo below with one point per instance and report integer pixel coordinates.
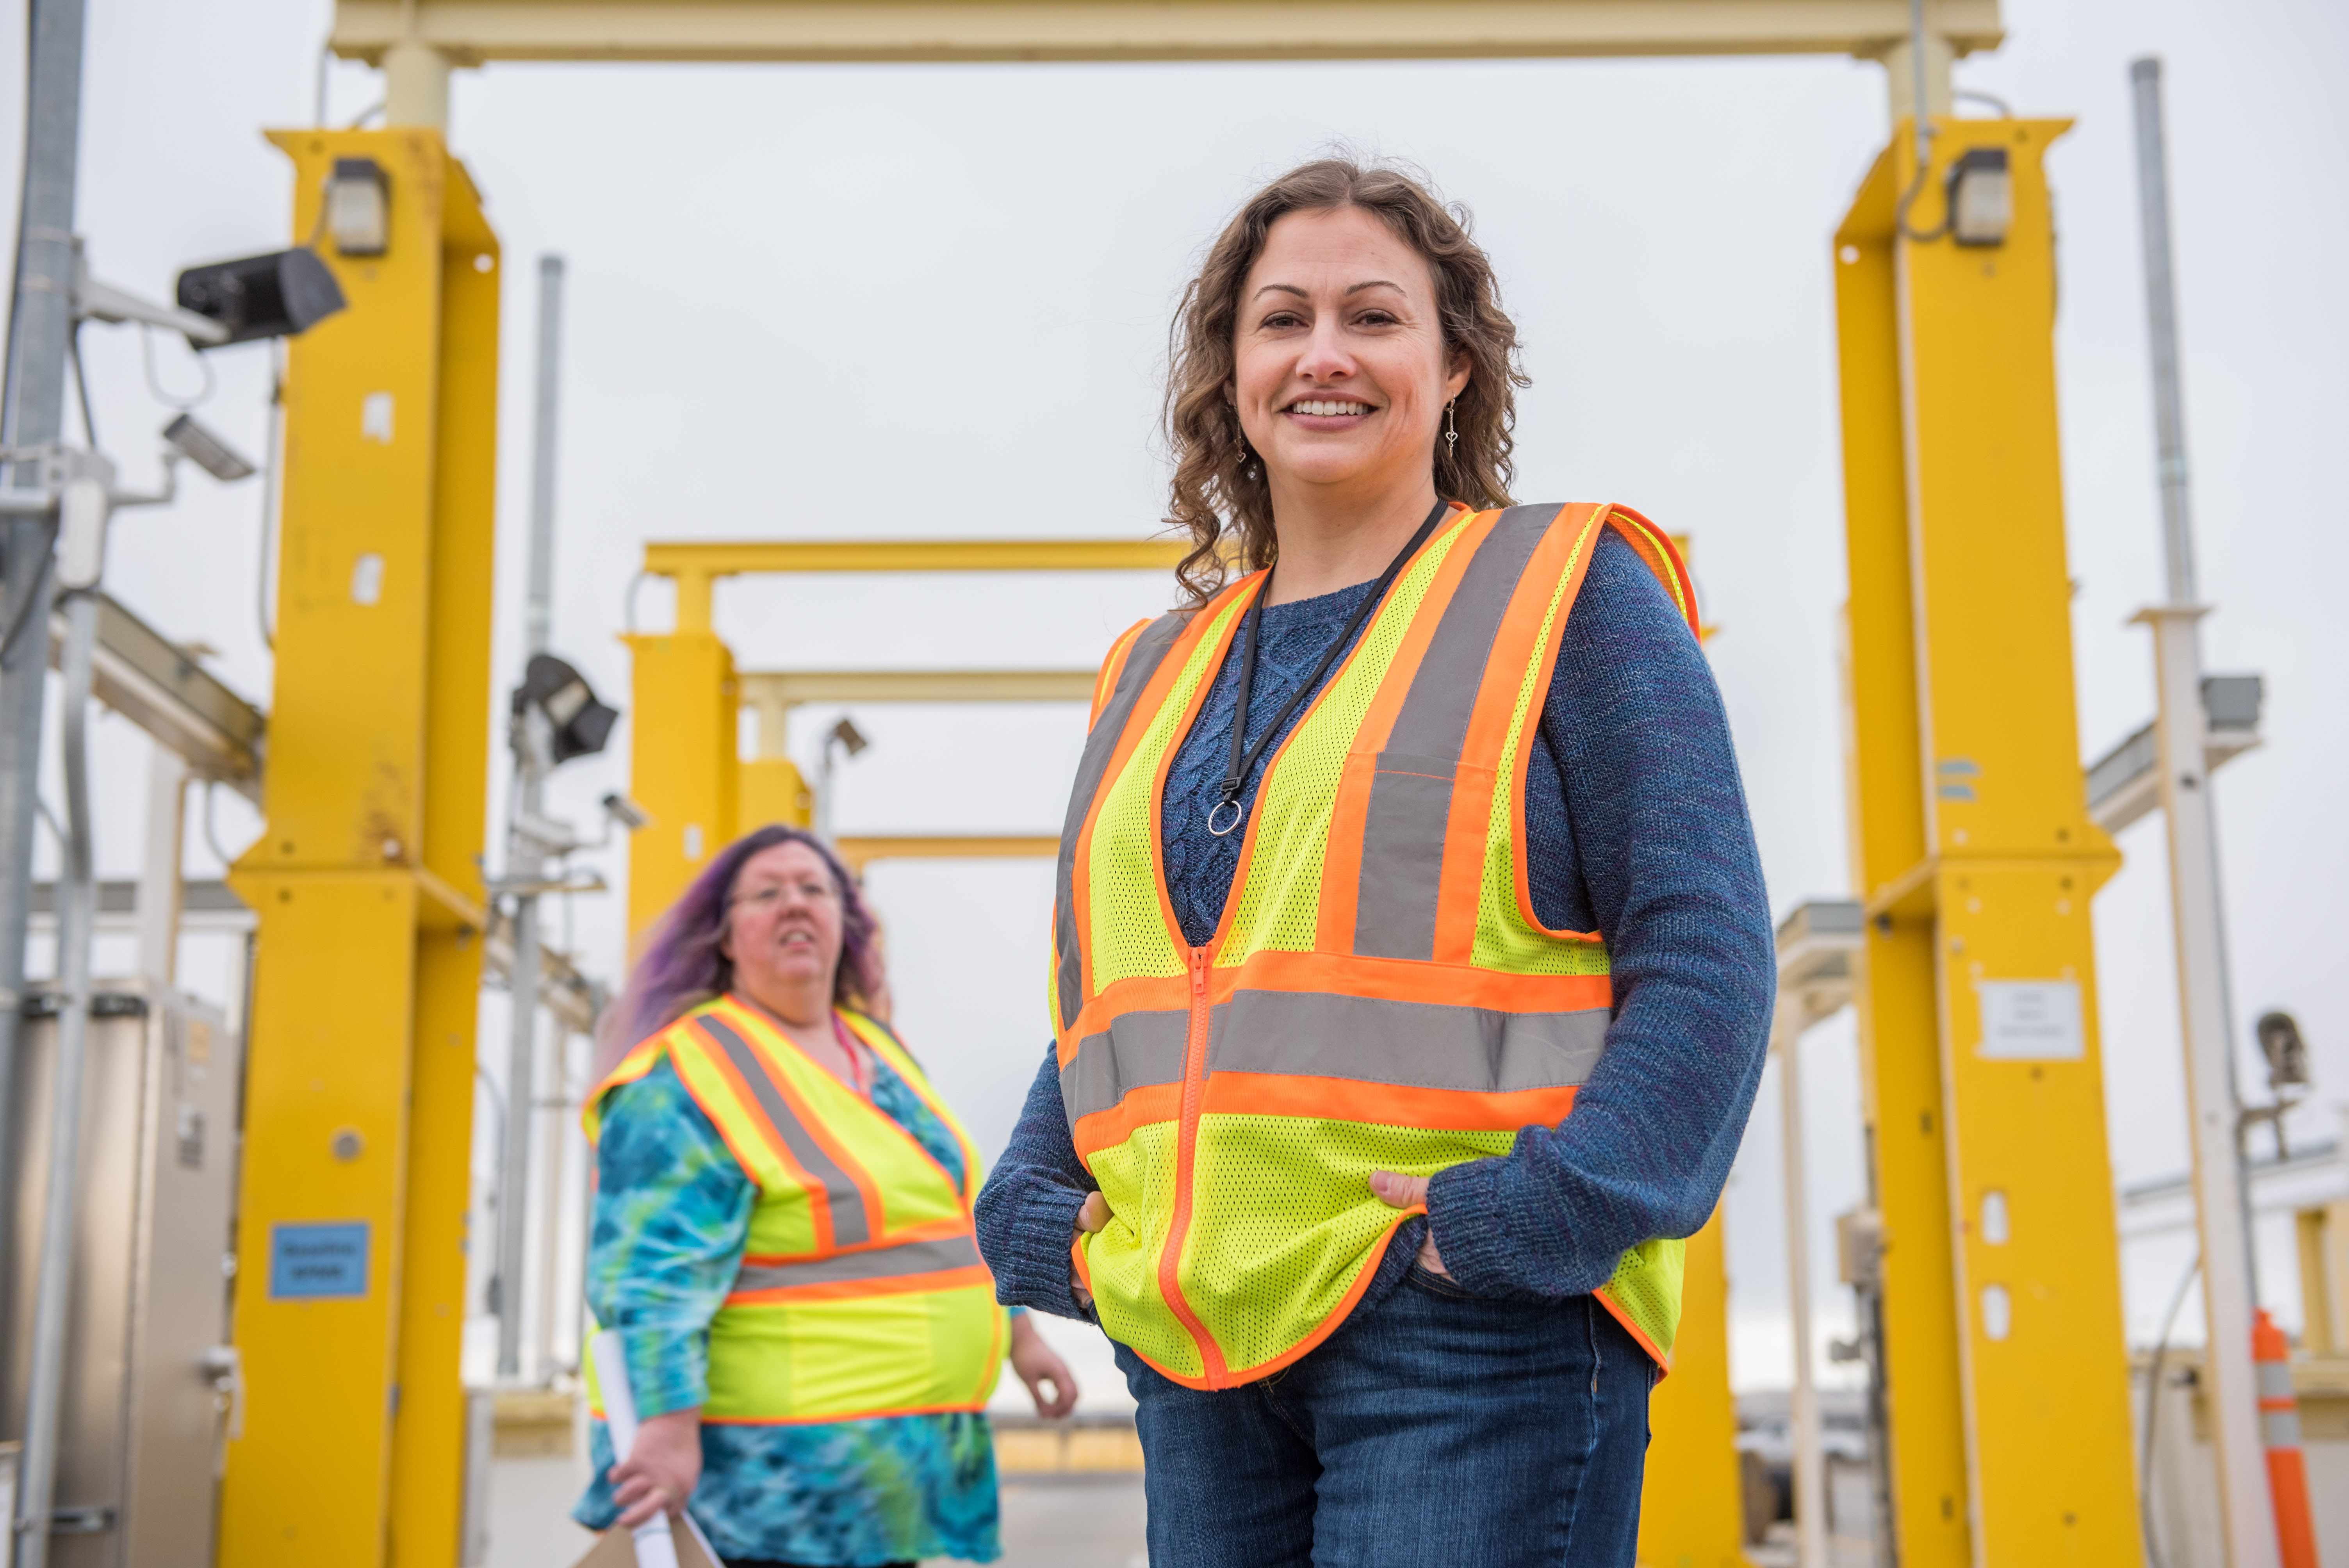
(772, 896)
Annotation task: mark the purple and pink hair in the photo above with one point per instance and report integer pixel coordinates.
(682, 967)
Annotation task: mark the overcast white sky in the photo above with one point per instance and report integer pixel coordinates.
(931, 300)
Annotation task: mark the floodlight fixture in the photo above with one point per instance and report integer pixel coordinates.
(274, 296)
(581, 724)
(206, 450)
(851, 739)
(626, 812)
(1981, 197)
(358, 207)
(2286, 1052)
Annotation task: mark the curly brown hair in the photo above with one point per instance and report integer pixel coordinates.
(1212, 492)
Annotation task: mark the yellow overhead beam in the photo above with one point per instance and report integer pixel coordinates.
(695, 566)
(471, 32)
(859, 852)
(790, 688)
(771, 695)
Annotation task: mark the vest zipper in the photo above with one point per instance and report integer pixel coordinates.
(1186, 1145)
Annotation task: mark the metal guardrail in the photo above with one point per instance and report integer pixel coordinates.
(2121, 783)
(163, 689)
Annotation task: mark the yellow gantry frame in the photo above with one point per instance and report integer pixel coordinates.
(1976, 860)
(359, 1081)
(686, 768)
(378, 752)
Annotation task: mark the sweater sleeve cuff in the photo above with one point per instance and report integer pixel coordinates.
(1464, 1217)
(1036, 1270)
(667, 1370)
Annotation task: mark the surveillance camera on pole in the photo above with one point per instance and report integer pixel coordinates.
(841, 736)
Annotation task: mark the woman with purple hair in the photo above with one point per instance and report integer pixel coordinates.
(783, 1241)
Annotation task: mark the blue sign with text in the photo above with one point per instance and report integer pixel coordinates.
(318, 1262)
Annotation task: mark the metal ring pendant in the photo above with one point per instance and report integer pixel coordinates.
(1239, 815)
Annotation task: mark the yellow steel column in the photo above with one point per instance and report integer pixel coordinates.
(428, 1475)
(358, 1104)
(1690, 1513)
(1985, 931)
(684, 758)
(1899, 1036)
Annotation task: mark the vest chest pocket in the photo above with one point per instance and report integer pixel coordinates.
(1405, 826)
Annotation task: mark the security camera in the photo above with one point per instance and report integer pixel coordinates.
(206, 450)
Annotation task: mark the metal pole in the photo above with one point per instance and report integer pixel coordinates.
(1810, 1480)
(524, 860)
(76, 911)
(2228, 1276)
(554, 1167)
(2161, 329)
(32, 411)
(1917, 70)
(513, 1174)
(539, 613)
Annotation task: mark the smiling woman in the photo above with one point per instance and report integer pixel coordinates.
(1252, 301)
(1412, 969)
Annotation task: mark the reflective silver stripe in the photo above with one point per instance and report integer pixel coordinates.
(1411, 791)
(849, 1223)
(2279, 1429)
(1137, 1050)
(1141, 662)
(1414, 1044)
(884, 1263)
(1408, 1045)
(2273, 1378)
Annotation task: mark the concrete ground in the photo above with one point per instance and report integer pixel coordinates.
(1084, 1521)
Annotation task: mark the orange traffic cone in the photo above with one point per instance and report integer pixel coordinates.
(2280, 1432)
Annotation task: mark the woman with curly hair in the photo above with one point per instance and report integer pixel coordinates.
(782, 1240)
(1412, 967)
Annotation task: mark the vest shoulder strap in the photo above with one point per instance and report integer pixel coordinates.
(639, 1061)
(1655, 547)
(1105, 682)
(890, 1048)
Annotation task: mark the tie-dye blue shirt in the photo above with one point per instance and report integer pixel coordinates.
(672, 1217)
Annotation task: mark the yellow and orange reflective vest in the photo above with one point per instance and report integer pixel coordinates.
(1379, 993)
(861, 1291)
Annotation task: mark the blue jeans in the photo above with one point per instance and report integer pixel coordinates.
(1434, 1426)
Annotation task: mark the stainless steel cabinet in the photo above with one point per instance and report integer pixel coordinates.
(151, 1388)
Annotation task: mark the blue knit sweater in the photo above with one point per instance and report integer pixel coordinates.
(1635, 826)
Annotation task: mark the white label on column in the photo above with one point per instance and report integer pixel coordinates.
(2031, 1021)
(374, 417)
(367, 579)
(693, 841)
(1998, 1312)
(1993, 1220)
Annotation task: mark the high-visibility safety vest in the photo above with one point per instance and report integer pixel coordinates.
(861, 1291)
(1379, 993)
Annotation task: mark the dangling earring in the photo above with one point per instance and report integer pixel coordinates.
(1451, 431)
(1254, 470)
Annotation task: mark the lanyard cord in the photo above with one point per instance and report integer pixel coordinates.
(1244, 757)
(857, 1066)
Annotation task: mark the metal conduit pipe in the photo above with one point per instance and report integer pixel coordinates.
(32, 413)
(525, 862)
(77, 912)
